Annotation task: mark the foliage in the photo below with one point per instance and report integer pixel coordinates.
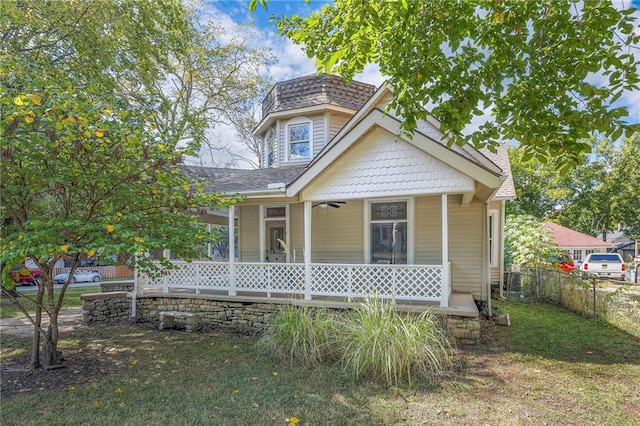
(86, 169)
(378, 340)
(301, 335)
(373, 340)
(539, 186)
(604, 192)
(527, 242)
(599, 193)
(215, 81)
(549, 72)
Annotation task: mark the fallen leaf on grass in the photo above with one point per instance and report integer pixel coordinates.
(292, 421)
(275, 373)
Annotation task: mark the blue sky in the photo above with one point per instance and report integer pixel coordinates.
(292, 62)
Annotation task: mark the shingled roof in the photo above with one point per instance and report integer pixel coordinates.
(228, 181)
(568, 238)
(316, 89)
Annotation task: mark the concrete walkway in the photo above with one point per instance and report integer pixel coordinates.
(68, 320)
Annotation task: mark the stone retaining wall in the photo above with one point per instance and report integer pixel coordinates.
(107, 287)
(244, 316)
(110, 308)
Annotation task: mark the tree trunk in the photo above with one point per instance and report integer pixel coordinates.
(37, 328)
(50, 345)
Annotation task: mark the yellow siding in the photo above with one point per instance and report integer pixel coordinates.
(495, 270)
(249, 233)
(428, 230)
(337, 234)
(465, 247)
(296, 223)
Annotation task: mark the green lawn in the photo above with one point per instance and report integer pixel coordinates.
(71, 300)
(550, 367)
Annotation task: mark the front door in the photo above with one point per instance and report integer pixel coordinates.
(275, 233)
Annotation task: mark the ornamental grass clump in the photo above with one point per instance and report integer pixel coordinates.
(378, 341)
(300, 334)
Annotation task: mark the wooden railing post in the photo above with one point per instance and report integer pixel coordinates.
(232, 251)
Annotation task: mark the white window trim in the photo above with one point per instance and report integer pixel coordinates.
(493, 238)
(296, 122)
(410, 227)
(263, 230)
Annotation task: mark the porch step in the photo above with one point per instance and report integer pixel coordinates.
(168, 318)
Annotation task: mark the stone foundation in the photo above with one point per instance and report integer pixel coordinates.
(244, 316)
(463, 331)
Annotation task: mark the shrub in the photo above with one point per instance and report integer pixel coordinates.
(299, 334)
(377, 340)
(373, 340)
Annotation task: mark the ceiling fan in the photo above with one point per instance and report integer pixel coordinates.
(325, 204)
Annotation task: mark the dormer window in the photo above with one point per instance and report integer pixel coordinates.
(299, 141)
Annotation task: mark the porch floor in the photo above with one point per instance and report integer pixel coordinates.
(460, 304)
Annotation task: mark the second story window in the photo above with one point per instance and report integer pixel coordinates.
(299, 141)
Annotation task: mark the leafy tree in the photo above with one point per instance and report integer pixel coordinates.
(215, 81)
(548, 71)
(604, 190)
(244, 123)
(537, 185)
(593, 197)
(527, 242)
(85, 169)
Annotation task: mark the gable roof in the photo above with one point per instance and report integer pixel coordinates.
(507, 190)
(490, 170)
(568, 238)
(489, 174)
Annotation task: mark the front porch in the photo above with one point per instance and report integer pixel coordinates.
(427, 285)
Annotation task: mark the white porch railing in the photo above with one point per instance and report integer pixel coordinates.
(402, 282)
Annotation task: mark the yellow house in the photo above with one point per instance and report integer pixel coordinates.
(347, 206)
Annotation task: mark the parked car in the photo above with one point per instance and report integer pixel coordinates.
(562, 262)
(604, 265)
(565, 263)
(23, 275)
(78, 277)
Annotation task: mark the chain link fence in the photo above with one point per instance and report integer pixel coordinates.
(615, 301)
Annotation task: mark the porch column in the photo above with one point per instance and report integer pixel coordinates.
(307, 250)
(232, 251)
(444, 303)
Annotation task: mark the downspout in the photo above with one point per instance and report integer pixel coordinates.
(486, 271)
(501, 251)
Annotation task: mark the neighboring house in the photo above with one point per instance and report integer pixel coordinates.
(579, 245)
(360, 207)
(621, 244)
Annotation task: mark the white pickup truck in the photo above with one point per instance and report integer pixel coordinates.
(604, 265)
